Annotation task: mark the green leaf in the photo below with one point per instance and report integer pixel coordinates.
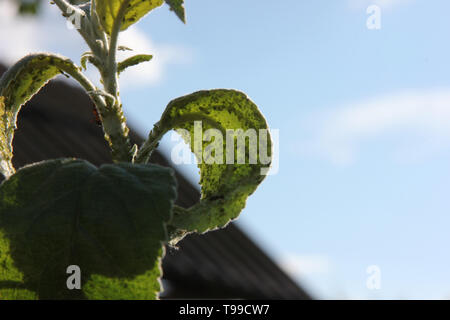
(225, 187)
(6, 167)
(30, 7)
(177, 6)
(124, 48)
(18, 85)
(132, 61)
(89, 57)
(108, 11)
(84, 59)
(109, 221)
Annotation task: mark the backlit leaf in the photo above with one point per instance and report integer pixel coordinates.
(177, 6)
(108, 11)
(109, 221)
(132, 61)
(225, 187)
(17, 86)
(6, 167)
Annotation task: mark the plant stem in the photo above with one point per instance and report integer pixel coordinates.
(113, 119)
(143, 156)
(110, 110)
(67, 8)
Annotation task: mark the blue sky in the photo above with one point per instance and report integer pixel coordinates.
(364, 120)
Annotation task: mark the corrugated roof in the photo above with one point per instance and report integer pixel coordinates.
(58, 122)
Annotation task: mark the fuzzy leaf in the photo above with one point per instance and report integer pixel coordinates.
(6, 167)
(108, 10)
(84, 59)
(89, 57)
(109, 221)
(124, 48)
(225, 187)
(17, 86)
(132, 61)
(177, 6)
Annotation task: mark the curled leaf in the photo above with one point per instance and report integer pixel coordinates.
(19, 84)
(232, 164)
(6, 167)
(88, 57)
(132, 61)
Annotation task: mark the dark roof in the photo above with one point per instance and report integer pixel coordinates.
(58, 122)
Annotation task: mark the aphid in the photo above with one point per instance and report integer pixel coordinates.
(96, 116)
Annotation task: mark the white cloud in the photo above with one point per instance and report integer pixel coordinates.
(153, 71)
(415, 123)
(22, 35)
(299, 266)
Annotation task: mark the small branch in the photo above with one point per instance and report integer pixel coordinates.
(113, 120)
(111, 65)
(109, 105)
(65, 8)
(96, 26)
(144, 153)
(84, 82)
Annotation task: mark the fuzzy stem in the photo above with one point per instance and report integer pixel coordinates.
(143, 156)
(110, 108)
(66, 7)
(114, 122)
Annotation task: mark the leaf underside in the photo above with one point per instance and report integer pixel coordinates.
(18, 85)
(109, 221)
(132, 61)
(225, 187)
(177, 6)
(5, 148)
(108, 10)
